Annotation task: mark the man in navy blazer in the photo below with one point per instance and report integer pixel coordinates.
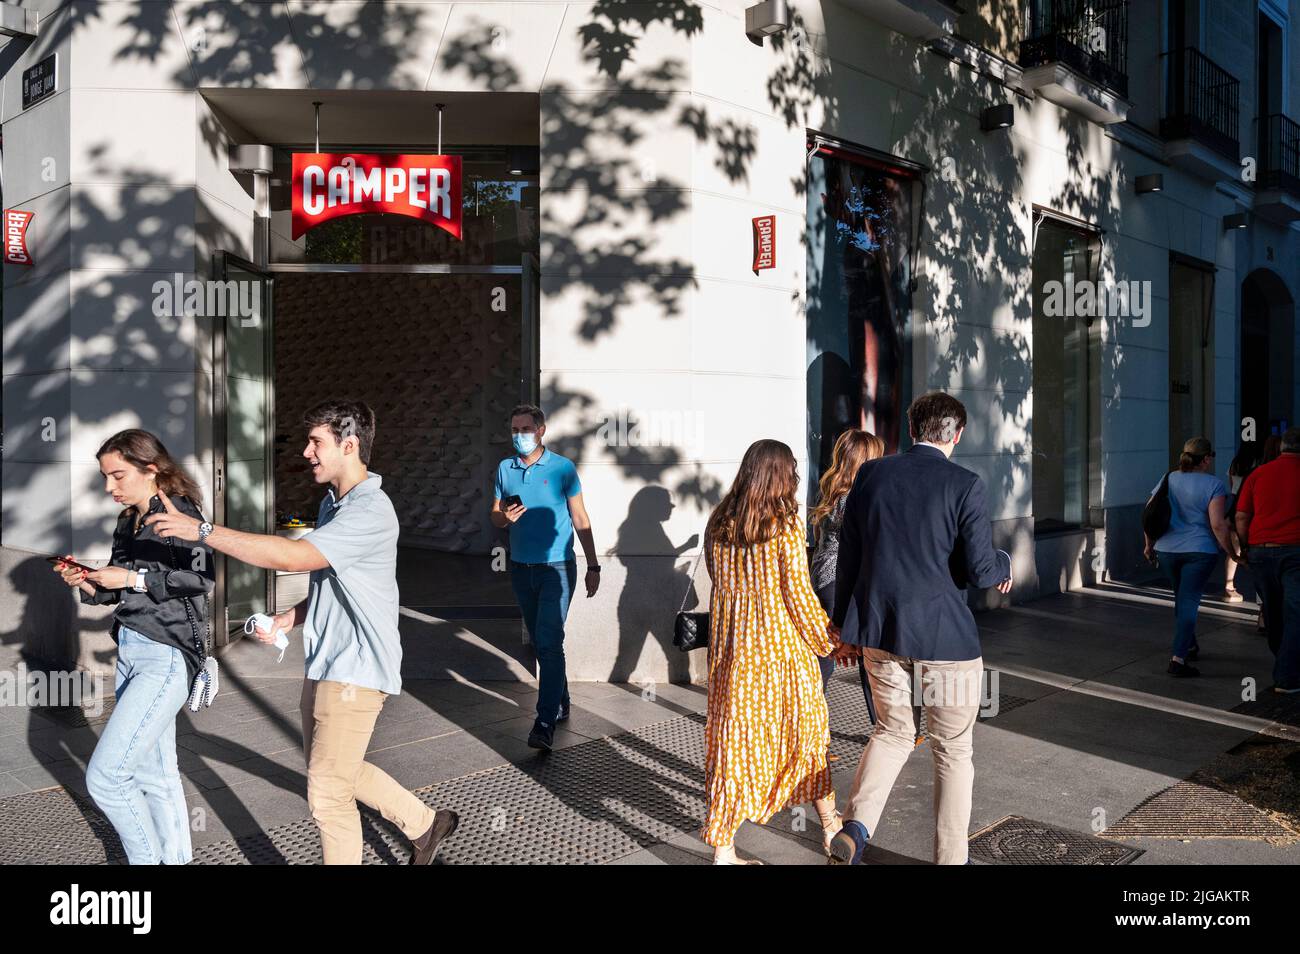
(916, 533)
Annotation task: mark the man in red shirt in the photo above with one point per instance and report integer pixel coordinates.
(1268, 522)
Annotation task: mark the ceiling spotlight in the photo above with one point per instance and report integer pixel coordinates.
(1238, 220)
(523, 160)
(1154, 182)
(1002, 116)
(765, 19)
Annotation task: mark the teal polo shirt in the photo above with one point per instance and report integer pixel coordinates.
(545, 533)
(350, 633)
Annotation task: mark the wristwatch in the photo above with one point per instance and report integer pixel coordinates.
(139, 585)
(204, 529)
(593, 568)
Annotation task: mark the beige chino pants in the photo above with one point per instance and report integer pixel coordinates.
(337, 721)
(951, 694)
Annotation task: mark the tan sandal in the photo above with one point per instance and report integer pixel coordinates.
(828, 834)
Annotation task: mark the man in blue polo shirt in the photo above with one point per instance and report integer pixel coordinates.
(537, 495)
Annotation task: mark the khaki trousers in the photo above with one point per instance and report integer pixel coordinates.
(337, 721)
(951, 694)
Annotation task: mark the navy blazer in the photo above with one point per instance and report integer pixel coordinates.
(915, 533)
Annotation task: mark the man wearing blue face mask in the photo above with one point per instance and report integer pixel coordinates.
(537, 495)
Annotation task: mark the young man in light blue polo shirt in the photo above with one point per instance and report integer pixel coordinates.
(537, 495)
(350, 636)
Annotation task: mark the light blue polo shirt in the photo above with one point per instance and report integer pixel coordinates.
(545, 533)
(350, 633)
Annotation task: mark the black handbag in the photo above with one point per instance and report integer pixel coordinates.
(1158, 513)
(691, 630)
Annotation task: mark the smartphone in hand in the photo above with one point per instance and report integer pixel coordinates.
(65, 562)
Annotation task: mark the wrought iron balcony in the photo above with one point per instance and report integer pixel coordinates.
(1280, 163)
(1202, 102)
(1089, 36)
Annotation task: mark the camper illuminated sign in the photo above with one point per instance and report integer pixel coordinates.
(331, 185)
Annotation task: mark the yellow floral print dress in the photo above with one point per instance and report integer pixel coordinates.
(767, 732)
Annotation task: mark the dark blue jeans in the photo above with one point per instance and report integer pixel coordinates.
(1277, 572)
(1188, 573)
(543, 591)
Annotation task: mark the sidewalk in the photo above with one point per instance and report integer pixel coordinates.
(1088, 728)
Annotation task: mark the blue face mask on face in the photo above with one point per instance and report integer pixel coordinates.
(525, 444)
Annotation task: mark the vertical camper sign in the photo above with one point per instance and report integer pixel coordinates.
(15, 237)
(764, 242)
(331, 185)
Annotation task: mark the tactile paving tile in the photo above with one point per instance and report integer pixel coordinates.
(1006, 702)
(55, 827)
(1192, 810)
(586, 804)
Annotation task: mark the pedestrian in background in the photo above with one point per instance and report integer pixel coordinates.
(1271, 450)
(1238, 471)
(538, 496)
(852, 449)
(1189, 550)
(1268, 523)
(767, 733)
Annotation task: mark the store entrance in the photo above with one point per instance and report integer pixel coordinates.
(440, 358)
(431, 319)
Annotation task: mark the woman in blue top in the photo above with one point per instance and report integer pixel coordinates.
(1189, 550)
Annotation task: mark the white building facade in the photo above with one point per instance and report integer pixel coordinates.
(1079, 218)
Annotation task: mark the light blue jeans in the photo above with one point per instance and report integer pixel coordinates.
(133, 776)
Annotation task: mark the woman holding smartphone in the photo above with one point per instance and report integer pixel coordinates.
(160, 588)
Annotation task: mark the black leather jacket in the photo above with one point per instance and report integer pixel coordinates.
(173, 576)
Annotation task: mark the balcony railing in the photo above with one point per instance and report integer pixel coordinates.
(1202, 102)
(1280, 168)
(1090, 36)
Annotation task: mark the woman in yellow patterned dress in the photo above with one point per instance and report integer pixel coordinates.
(767, 732)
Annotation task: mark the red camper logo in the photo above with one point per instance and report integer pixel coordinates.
(329, 185)
(764, 242)
(16, 222)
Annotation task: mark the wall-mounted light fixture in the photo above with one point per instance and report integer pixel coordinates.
(1002, 116)
(765, 19)
(1238, 220)
(18, 22)
(1153, 182)
(251, 158)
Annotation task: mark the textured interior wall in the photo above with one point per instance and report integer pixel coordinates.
(439, 367)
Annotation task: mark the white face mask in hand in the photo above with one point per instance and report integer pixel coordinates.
(264, 623)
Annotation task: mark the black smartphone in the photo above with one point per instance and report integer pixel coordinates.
(63, 561)
(511, 500)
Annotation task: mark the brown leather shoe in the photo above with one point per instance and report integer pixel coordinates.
(424, 848)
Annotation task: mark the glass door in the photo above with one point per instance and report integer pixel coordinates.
(860, 227)
(242, 432)
(1191, 296)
